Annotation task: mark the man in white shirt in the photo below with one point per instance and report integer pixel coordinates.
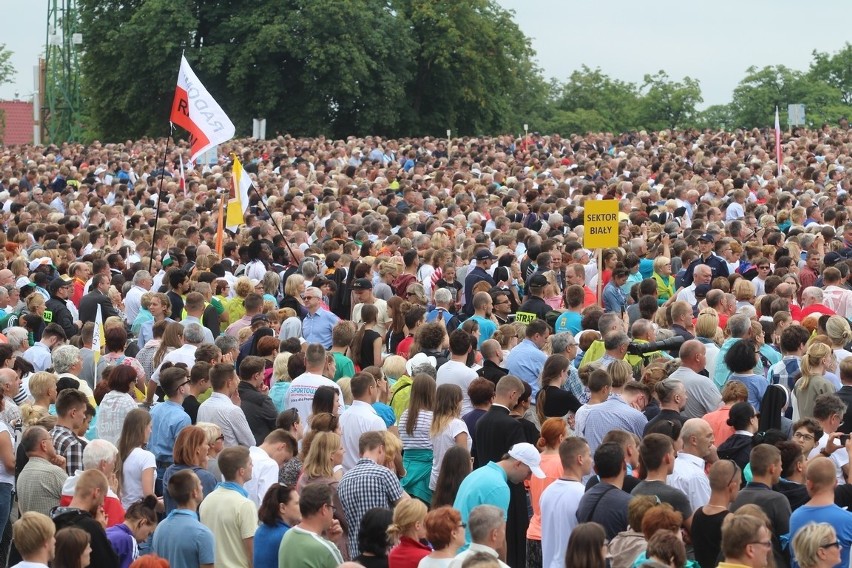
(688, 475)
(703, 274)
(142, 283)
(834, 295)
(193, 336)
(560, 500)
(455, 371)
(360, 417)
(266, 459)
(300, 395)
(221, 410)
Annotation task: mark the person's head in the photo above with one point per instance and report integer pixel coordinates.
(141, 518)
(724, 477)
(74, 546)
(444, 529)
(794, 339)
(66, 359)
(537, 331)
(175, 381)
(455, 466)
(697, 437)
(235, 464)
(742, 356)
(90, 491)
(280, 503)
(765, 462)
(671, 394)
(222, 377)
(609, 460)
(657, 452)
(667, 548)
(828, 411)
(364, 387)
(101, 455)
(43, 386)
(509, 389)
(816, 544)
(480, 392)
(315, 358)
(408, 520)
(372, 445)
(373, 533)
(838, 331)
(185, 487)
(487, 525)
(71, 407)
(315, 504)
(191, 447)
(587, 546)
(733, 392)
(821, 476)
(575, 455)
(34, 536)
(807, 433)
(745, 539)
(742, 416)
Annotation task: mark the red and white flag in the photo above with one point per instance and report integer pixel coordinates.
(195, 110)
(779, 154)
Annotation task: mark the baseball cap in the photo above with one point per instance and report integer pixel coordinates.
(258, 318)
(484, 254)
(538, 281)
(23, 282)
(43, 261)
(706, 237)
(529, 456)
(701, 290)
(832, 258)
(362, 284)
(59, 283)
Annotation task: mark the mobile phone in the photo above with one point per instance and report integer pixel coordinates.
(843, 438)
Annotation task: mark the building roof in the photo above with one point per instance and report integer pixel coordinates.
(18, 116)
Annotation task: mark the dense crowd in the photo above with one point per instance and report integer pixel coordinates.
(406, 357)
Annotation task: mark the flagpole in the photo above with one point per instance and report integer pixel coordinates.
(159, 199)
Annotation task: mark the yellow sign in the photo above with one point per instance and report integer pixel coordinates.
(600, 224)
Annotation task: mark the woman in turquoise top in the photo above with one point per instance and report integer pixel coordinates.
(278, 511)
(665, 281)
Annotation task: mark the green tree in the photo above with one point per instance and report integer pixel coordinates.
(835, 70)
(7, 70)
(597, 102)
(715, 117)
(668, 104)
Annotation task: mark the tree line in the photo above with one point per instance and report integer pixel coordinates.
(395, 68)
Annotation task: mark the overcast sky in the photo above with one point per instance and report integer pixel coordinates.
(712, 42)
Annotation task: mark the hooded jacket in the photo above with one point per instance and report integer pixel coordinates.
(102, 552)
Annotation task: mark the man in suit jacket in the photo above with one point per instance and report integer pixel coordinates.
(97, 296)
(496, 433)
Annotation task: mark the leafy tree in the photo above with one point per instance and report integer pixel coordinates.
(835, 70)
(668, 104)
(7, 70)
(601, 103)
(715, 117)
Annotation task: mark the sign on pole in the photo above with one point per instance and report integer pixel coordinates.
(795, 115)
(600, 224)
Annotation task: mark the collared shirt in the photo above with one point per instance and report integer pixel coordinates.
(473, 549)
(182, 540)
(220, 410)
(167, 420)
(786, 371)
(38, 356)
(689, 477)
(234, 329)
(366, 486)
(360, 417)
(208, 335)
(264, 473)
(526, 361)
(613, 414)
(39, 485)
(316, 328)
(68, 445)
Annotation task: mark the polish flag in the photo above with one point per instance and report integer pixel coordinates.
(195, 110)
(779, 154)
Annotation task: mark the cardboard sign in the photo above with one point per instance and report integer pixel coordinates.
(600, 224)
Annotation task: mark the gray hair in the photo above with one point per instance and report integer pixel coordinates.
(443, 296)
(225, 343)
(193, 334)
(140, 276)
(65, 357)
(97, 451)
(739, 325)
(17, 335)
(812, 292)
(559, 342)
(615, 339)
(667, 388)
(309, 269)
(482, 520)
(425, 368)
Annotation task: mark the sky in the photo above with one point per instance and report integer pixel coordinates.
(712, 42)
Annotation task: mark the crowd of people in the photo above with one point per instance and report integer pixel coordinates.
(406, 357)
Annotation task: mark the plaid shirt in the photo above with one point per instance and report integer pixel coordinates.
(69, 446)
(366, 486)
(786, 371)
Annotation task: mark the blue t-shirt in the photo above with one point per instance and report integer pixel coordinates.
(182, 540)
(484, 486)
(839, 519)
(486, 329)
(568, 321)
(385, 412)
(267, 540)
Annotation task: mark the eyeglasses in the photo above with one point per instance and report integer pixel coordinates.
(834, 544)
(462, 525)
(803, 436)
(767, 543)
(736, 471)
(186, 382)
(221, 438)
(763, 267)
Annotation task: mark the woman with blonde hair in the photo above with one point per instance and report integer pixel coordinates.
(408, 530)
(551, 294)
(818, 360)
(236, 306)
(840, 334)
(42, 387)
(707, 332)
(507, 336)
(663, 276)
(215, 445)
(744, 292)
(816, 546)
(280, 380)
(448, 429)
(414, 430)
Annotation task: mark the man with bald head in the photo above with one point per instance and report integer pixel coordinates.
(492, 359)
(7, 278)
(820, 480)
(702, 394)
(696, 436)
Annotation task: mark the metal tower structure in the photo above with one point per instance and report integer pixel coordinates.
(61, 93)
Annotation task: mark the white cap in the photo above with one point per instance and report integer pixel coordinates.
(417, 360)
(528, 455)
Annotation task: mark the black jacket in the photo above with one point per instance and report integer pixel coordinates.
(492, 371)
(259, 410)
(56, 311)
(737, 448)
(496, 433)
(102, 552)
(89, 306)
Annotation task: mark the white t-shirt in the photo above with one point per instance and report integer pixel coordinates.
(356, 420)
(5, 475)
(137, 462)
(264, 473)
(455, 373)
(300, 395)
(442, 443)
(838, 457)
(382, 319)
(559, 504)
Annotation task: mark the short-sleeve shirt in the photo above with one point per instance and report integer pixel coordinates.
(487, 485)
(605, 504)
(366, 486)
(136, 463)
(443, 442)
(303, 549)
(183, 541)
(232, 518)
(667, 494)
